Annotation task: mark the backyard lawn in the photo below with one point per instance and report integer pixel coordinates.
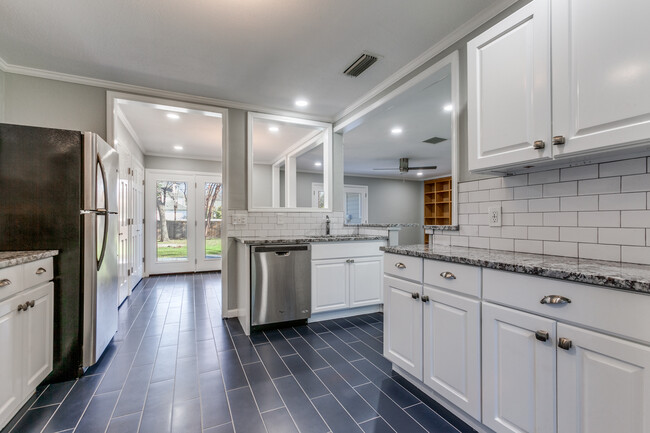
(176, 249)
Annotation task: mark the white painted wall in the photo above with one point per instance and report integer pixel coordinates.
(262, 185)
(124, 137)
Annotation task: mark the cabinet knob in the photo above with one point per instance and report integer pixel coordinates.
(448, 275)
(554, 299)
(564, 343)
(5, 282)
(415, 295)
(539, 144)
(40, 271)
(349, 261)
(558, 139)
(30, 303)
(541, 335)
(400, 265)
(21, 307)
(425, 299)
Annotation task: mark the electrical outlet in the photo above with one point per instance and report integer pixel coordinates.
(239, 219)
(494, 216)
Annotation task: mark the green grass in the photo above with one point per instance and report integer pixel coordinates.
(175, 249)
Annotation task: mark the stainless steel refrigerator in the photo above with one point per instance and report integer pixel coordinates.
(46, 177)
(99, 251)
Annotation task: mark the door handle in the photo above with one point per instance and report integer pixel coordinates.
(541, 335)
(555, 299)
(564, 343)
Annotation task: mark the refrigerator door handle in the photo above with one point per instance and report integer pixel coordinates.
(100, 259)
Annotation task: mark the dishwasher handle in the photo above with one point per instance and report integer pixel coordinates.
(282, 253)
(285, 249)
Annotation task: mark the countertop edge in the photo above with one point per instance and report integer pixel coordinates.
(308, 240)
(15, 258)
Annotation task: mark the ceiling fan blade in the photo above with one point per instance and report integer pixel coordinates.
(428, 167)
(386, 169)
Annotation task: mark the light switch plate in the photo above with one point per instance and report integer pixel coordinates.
(239, 219)
(494, 216)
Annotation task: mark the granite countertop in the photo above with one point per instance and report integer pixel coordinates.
(13, 258)
(384, 225)
(307, 239)
(448, 228)
(625, 276)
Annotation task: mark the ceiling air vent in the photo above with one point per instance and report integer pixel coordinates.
(434, 140)
(364, 61)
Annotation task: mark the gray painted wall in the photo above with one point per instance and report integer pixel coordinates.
(394, 201)
(2, 96)
(182, 164)
(262, 185)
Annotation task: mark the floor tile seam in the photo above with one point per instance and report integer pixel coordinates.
(371, 336)
(386, 422)
(342, 405)
(25, 413)
(304, 360)
(396, 404)
(57, 409)
(436, 412)
(43, 392)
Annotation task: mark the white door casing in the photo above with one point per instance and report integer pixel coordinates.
(123, 258)
(136, 244)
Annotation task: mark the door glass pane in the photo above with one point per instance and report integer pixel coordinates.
(171, 221)
(212, 196)
(353, 208)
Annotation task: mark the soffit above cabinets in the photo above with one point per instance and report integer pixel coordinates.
(252, 52)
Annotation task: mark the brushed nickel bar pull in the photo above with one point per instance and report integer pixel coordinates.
(448, 275)
(564, 343)
(5, 282)
(558, 139)
(555, 299)
(539, 144)
(40, 271)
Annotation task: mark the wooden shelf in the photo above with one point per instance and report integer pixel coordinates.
(437, 202)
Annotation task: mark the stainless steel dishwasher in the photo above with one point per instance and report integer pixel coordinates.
(280, 283)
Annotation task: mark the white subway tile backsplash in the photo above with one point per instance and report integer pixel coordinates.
(544, 204)
(616, 236)
(489, 232)
(501, 194)
(514, 232)
(492, 183)
(626, 201)
(561, 219)
(502, 244)
(599, 252)
(463, 219)
(468, 230)
(467, 208)
(479, 219)
(567, 249)
(548, 176)
(578, 173)
(634, 218)
(507, 219)
(463, 197)
(579, 234)
(544, 233)
(475, 196)
(522, 192)
(484, 206)
(468, 186)
(514, 206)
(460, 241)
(620, 168)
(635, 254)
(638, 182)
(577, 203)
(525, 246)
(476, 242)
(518, 180)
(529, 219)
(599, 219)
(560, 189)
(599, 186)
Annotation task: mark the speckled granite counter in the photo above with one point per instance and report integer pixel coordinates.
(307, 239)
(444, 228)
(13, 258)
(384, 225)
(625, 276)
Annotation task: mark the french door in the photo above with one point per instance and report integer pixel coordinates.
(183, 222)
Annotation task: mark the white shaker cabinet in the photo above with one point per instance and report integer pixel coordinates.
(509, 90)
(603, 383)
(365, 281)
(329, 285)
(37, 324)
(11, 358)
(601, 70)
(403, 325)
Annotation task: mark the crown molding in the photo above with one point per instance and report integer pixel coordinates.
(148, 91)
(429, 54)
(120, 115)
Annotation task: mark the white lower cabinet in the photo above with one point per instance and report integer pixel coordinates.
(403, 325)
(365, 281)
(37, 324)
(518, 371)
(329, 285)
(11, 360)
(603, 383)
(452, 348)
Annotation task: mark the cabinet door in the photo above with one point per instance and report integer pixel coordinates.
(403, 325)
(452, 348)
(509, 90)
(603, 383)
(329, 285)
(519, 371)
(601, 96)
(11, 359)
(37, 326)
(366, 281)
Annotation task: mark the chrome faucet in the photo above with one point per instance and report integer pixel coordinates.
(327, 225)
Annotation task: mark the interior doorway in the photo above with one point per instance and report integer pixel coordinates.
(183, 222)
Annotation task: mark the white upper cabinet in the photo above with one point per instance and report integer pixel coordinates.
(509, 90)
(595, 55)
(601, 71)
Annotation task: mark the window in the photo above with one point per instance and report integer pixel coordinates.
(356, 202)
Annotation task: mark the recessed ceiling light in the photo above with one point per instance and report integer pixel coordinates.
(274, 128)
(178, 147)
(448, 107)
(301, 102)
(173, 116)
(419, 173)
(318, 164)
(396, 131)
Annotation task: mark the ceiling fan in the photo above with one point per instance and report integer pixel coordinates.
(404, 166)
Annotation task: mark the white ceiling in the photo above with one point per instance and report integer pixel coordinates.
(256, 52)
(419, 111)
(268, 145)
(198, 132)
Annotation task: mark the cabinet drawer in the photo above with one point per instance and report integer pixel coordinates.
(11, 281)
(334, 250)
(463, 279)
(401, 266)
(38, 272)
(617, 312)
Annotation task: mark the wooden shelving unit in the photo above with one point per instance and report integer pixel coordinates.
(437, 202)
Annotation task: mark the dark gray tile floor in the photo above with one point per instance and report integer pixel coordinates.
(176, 366)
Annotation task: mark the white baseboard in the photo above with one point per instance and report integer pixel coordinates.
(348, 312)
